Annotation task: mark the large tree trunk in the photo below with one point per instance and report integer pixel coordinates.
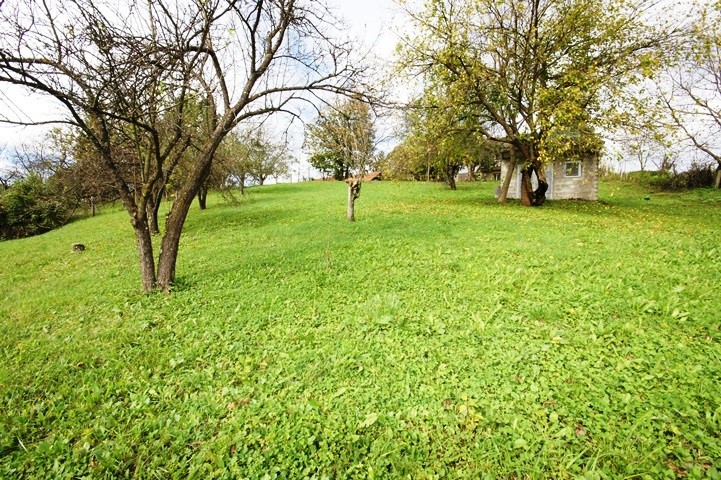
(717, 183)
(529, 196)
(529, 153)
(168, 257)
(145, 252)
(171, 239)
(526, 187)
(539, 194)
(354, 186)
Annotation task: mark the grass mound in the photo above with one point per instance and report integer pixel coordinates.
(440, 336)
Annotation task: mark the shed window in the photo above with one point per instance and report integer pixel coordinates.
(572, 169)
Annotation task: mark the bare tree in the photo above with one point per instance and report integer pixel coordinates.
(691, 90)
(647, 148)
(125, 74)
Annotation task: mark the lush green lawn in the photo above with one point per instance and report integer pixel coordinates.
(440, 336)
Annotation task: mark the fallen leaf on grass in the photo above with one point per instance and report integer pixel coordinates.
(369, 420)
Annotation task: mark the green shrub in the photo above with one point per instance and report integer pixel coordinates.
(31, 207)
(698, 176)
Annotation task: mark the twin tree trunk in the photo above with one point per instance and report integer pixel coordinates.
(529, 196)
(163, 278)
(354, 187)
(528, 154)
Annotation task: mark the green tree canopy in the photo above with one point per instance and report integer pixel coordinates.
(342, 139)
(438, 142)
(538, 75)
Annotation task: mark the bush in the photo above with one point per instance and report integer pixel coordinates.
(30, 207)
(698, 176)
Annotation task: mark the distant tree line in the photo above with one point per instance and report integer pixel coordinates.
(47, 184)
(436, 145)
(59, 178)
(696, 176)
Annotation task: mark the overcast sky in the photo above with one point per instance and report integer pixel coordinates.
(372, 20)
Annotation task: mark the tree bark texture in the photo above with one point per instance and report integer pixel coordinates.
(529, 196)
(532, 165)
(157, 202)
(526, 187)
(507, 181)
(145, 252)
(168, 256)
(354, 187)
(153, 208)
(717, 183)
(539, 194)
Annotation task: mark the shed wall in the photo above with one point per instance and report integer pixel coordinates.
(584, 187)
(561, 187)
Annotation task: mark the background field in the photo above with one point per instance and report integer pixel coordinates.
(439, 336)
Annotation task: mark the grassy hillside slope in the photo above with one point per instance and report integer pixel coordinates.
(440, 336)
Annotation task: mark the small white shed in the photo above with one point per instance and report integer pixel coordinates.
(569, 179)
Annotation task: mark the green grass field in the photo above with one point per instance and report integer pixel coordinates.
(439, 336)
